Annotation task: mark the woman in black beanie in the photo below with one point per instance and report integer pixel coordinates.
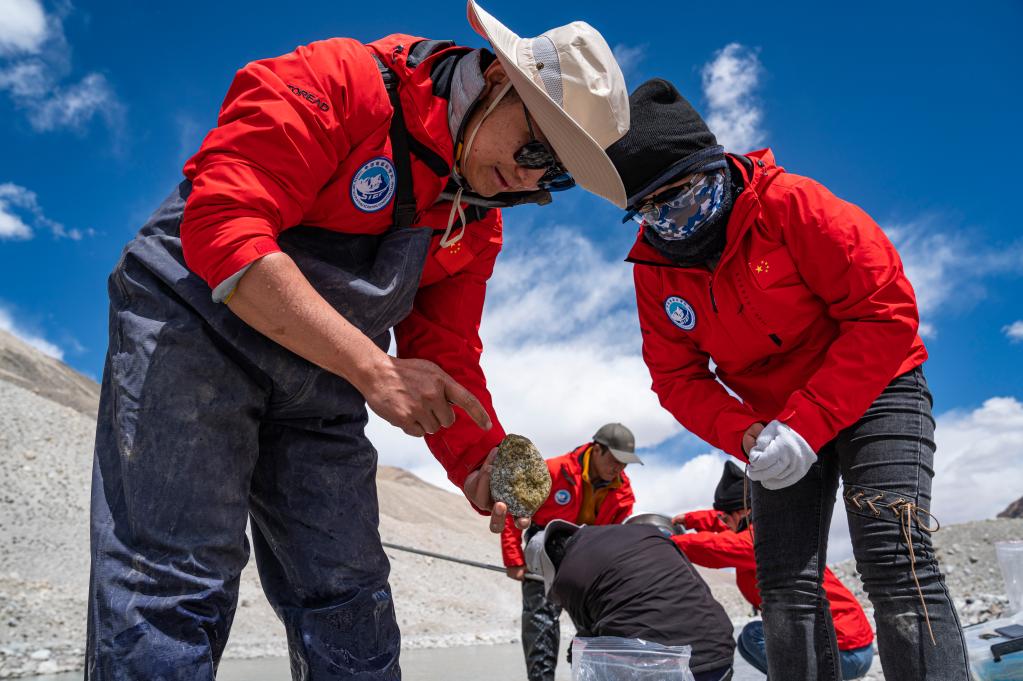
(802, 304)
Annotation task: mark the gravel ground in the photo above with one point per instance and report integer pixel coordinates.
(46, 438)
(45, 459)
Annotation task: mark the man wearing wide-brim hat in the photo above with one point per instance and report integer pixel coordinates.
(250, 320)
(588, 486)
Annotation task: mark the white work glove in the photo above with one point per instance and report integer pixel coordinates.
(781, 457)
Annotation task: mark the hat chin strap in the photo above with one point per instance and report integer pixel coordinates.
(456, 203)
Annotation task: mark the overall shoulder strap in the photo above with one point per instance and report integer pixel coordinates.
(404, 196)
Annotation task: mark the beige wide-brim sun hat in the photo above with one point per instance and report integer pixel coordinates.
(574, 89)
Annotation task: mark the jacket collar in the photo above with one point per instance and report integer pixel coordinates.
(425, 109)
(756, 174)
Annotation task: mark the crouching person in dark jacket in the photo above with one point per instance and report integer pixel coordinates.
(632, 581)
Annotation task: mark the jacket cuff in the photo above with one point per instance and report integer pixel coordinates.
(225, 289)
(471, 460)
(733, 430)
(702, 521)
(216, 263)
(811, 422)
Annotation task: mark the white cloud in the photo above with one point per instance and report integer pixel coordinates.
(562, 356)
(36, 68)
(565, 346)
(18, 204)
(1014, 331)
(8, 324)
(23, 26)
(11, 225)
(948, 269)
(979, 464)
(74, 106)
(729, 83)
(629, 58)
(664, 486)
(561, 353)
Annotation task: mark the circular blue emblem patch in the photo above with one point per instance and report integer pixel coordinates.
(562, 496)
(373, 185)
(680, 313)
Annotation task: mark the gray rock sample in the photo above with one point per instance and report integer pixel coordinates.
(520, 477)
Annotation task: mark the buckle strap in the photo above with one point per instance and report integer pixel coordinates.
(405, 209)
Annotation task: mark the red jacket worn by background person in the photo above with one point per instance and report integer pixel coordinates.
(713, 545)
(294, 135)
(564, 500)
(807, 316)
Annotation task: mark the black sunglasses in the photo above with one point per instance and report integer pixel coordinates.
(535, 155)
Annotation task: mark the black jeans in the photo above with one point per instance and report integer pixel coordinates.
(886, 461)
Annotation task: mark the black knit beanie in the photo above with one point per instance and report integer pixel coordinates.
(728, 496)
(667, 139)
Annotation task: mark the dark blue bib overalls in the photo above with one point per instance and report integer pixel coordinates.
(205, 424)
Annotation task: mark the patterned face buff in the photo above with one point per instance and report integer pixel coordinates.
(694, 204)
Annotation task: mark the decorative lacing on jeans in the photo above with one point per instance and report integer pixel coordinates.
(907, 512)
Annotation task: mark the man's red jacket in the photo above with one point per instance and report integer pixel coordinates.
(303, 139)
(807, 316)
(713, 545)
(564, 502)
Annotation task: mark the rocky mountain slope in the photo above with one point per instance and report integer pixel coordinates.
(1013, 510)
(47, 427)
(23, 366)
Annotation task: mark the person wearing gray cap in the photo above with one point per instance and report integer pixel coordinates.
(589, 486)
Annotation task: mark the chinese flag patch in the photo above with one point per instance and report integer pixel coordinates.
(454, 257)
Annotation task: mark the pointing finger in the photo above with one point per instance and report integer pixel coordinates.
(459, 396)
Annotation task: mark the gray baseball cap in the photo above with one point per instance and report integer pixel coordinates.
(620, 441)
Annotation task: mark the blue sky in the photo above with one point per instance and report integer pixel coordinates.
(910, 110)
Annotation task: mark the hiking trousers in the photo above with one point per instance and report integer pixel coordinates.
(541, 632)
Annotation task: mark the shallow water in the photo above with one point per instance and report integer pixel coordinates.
(464, 663)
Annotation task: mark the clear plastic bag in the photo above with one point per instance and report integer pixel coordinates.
(609, 658)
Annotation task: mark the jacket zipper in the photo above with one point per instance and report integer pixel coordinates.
(713, 303)
(568, 477)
